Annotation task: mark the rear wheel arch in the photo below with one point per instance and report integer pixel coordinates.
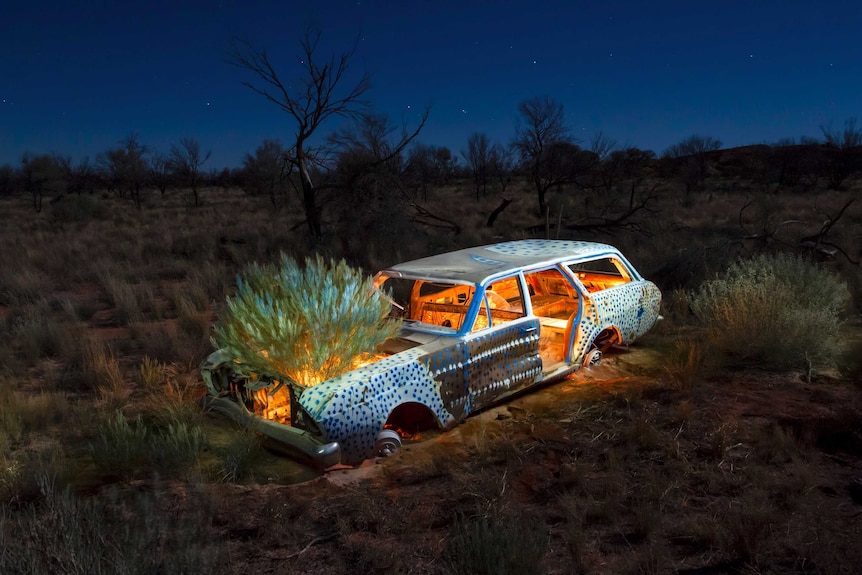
(608, 337)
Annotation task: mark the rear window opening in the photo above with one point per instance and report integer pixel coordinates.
(601, 274)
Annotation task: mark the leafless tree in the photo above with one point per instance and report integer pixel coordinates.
(186, 162)
(542, 129)
(8, 177)
(501, 163)
(602, 146)
(41, 175)
(267, 172)
(427, 165)
(477, 156)
(368, 183)
(160, 171)
(844, 151)
(697, 150)
(323, 91)
(125, 168)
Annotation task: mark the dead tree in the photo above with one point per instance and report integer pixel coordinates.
(312, 99)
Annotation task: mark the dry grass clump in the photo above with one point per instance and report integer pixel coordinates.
(122, 295)
(36, 332)
(22, 284)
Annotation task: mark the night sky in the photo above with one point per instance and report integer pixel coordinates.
(76, 77)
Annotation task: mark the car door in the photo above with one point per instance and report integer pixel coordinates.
(503, 346)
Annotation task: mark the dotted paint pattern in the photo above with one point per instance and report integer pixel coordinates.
(546, 248)
(353, 408)
(632, 307)
(452, 382)
(502, 360)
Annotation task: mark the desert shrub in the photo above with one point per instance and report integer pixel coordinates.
(487, 545)
(778, 310)
(309, 323)
(77, 208)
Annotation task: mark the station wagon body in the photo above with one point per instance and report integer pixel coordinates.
(478, 325)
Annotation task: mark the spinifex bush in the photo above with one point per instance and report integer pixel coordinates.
(309, 323)
(778, 310)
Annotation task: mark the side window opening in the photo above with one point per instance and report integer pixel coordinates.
(503, 302)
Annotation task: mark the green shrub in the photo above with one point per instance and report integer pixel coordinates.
(308, 323)
(777, 310)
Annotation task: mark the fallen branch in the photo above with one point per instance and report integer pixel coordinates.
(497, 211)
(312, 543)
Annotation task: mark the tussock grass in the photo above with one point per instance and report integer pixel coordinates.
(128, 448)
(151, 374)
(129, 533)
(24, 412)
(123, 297)
(40, 334)
(21, 284)
(238, 457)
(102, 369)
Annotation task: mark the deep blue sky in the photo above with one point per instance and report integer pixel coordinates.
(76, 77)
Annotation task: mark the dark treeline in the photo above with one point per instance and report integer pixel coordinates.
(364, 165)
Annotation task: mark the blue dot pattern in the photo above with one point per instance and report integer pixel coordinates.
(354, 407)
(549, 248)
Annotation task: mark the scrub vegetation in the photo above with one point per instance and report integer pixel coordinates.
(726, 441)
(774, 310)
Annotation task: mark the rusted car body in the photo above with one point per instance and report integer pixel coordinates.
(479, 325)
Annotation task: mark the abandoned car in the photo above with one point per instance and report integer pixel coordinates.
(478, 325)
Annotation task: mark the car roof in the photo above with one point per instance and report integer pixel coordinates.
(481, 262)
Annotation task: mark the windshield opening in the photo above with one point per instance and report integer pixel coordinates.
(430, 302)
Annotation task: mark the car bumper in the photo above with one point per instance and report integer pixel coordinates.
(291, 439)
